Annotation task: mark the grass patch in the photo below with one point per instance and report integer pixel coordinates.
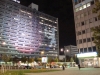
(22, 72)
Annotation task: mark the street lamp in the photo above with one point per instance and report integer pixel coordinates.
(42, 52)
(4, 43)
(65, 51)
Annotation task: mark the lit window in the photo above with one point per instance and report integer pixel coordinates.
(4, 43)
(80, 8)
(77, 9)
(40, 22)
(55, 22)
(30, 16)
(23, 34)
(84, 6)
(88, 4)
(16, 19)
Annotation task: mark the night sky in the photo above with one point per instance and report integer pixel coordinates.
(63, 10)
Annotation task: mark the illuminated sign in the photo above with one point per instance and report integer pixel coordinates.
(44, 59)
(91, 54)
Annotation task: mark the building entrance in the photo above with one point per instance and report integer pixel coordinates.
(89, 62)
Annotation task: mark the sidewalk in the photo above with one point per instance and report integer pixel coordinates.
(72, 71)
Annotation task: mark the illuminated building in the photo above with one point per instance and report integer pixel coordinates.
(85, 19)
(26, 31)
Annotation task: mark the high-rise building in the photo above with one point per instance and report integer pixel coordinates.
(26, 31)
(85, 19)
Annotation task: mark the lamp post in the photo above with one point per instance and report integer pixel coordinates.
(42, 54)
(65, 51)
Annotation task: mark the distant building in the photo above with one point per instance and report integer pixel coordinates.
(70, 50)
(61, 57)
(33, 6)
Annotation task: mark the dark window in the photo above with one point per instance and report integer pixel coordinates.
(79, 1)
(79, 33)
(88, 40)
(83, 0)
(84, 40)
(82, 23)
(94, 49)
(76, 2)
(85, 49)
(90, 20)
(80, 41)
(83, 32)
(81, 50)
(89, 49)
(95, 18)
(92, 38)
(92, 2)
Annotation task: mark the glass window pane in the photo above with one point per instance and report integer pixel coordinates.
(84, 40)
(85, 49)
(80, 8)
(88, 4)
(84, 6)
(89, 49)
(94, 49)
(81, 50)
(88, 40)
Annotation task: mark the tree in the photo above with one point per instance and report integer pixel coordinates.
(31, 60)
(15, 59)
(97, 8)
(50, 60)
(71, 59)
(39, 59)
(24, 59)
(36, 59)
(96, 30)
(6, 58)
(96, 35)
(56, 59)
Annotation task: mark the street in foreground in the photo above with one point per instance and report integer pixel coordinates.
(72, 71)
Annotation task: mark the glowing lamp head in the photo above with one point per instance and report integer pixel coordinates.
(4, 43)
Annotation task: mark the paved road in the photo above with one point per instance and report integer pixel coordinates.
(72, 71)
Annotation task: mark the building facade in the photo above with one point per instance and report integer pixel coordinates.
(71, 50)
(26, 31)
(85, 19)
